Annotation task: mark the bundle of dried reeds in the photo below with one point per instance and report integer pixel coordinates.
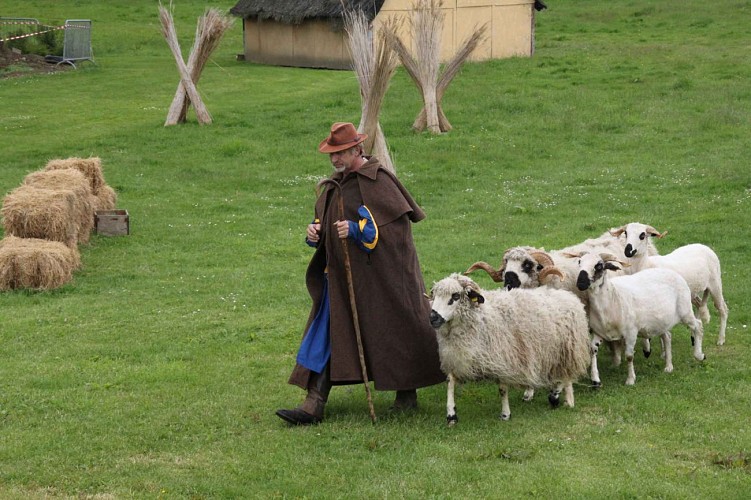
(168, 30)
(209, 32)
(210, 29)
(374, 68)
(75, 181)
(31, 212)
(423, 67)
(450, 70)
(36, 264)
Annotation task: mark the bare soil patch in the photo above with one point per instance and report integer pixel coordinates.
(13, 64)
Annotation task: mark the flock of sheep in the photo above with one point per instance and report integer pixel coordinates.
(544, 328)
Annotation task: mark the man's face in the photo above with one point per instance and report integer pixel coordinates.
(342, 160)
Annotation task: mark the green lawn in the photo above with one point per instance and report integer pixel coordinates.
(155, 373)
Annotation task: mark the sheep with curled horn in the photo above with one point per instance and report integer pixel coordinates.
(534, 260)
(520, 269)
(530, 267)
(535, 338)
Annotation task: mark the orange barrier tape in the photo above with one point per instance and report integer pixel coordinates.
(55, 28)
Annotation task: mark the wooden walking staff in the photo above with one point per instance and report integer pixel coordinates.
(352, 303)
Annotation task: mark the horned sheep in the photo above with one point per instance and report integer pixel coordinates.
(645, 304)
(697, 263)
(528, 267)
(523, 338)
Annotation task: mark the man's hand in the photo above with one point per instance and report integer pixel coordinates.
(313, 233)
(342, 228)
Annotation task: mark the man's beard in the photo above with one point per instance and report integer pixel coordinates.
(339, 170)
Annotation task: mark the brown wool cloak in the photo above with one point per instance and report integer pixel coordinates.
(400, 346)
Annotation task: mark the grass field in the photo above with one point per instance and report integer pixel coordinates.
(155, 373)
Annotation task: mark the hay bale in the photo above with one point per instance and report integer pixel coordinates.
(36, 264)
(106, 199)
(90, 167)
(31, 212)
(73, 180)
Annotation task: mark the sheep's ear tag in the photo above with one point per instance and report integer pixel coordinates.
(476, 297)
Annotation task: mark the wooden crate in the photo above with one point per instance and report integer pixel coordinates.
(112, 222)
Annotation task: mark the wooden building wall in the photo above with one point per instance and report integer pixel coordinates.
(313, 43)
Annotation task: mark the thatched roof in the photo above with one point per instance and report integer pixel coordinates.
(296, 11)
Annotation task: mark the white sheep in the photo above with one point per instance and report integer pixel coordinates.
(646, 304)
(529, 267)
(697, 263)
(522, 338)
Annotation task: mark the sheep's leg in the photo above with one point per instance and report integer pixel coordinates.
(554, 396)
(594, 347)
(667, 350)
(451, 417)
(702, 311)
(646, 347)
(722, 310)
(697, 334)
(616, 347)
(568, 391)
(505, 408)
(630, 344)
(529, 393)
(662, 346)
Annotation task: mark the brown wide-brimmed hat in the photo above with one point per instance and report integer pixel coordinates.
(343, 136)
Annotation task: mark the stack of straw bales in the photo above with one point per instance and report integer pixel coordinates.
(46, 218)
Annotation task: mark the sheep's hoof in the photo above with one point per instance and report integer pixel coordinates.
(451, 420)
(528, 395)
(503, 416)
(647, 353)
(669, 369)
(554, 399)
(596, 384)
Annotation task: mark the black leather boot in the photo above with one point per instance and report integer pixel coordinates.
(311, 410)
(405, 400)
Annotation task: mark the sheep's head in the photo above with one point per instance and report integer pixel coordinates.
(498, 276)
(452, 295)
(637, 238)
(527, 267)
(592, 268)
